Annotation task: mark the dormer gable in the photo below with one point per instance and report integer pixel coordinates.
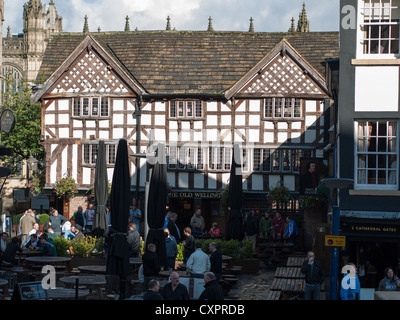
(283, 72)
(90, 69)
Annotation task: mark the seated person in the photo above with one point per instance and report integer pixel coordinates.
(214, 231)
(33, 242)
(11, 251)
(78, 234)
(51, 235)
(48, 249)
(66, 229)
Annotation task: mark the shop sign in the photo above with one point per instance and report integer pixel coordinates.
(200, 195)
(373, 228)
(335, 241)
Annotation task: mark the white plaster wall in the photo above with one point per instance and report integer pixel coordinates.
(257, 182)
(377, 88)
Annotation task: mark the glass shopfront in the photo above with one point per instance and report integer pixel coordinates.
(372, 245)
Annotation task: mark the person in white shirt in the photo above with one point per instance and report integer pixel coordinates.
(33, 231)
(198, 263)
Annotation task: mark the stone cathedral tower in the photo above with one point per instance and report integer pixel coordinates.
(23, 53)
(39, 22)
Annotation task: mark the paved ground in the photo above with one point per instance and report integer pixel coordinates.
(254, 286)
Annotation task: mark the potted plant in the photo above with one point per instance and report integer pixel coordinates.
(66, 187)
(280, 195)
(16, 219)
(43, 218)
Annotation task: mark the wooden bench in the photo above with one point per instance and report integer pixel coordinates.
(295, 261)
(273, 295)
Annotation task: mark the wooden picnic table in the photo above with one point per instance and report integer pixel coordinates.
(135, 261)
(66, 294)
(289, 272)
(92, 282)
(288, 285)
(167, 274)
(295, 261)
(29, 253)
(96, 269)
(51, 260)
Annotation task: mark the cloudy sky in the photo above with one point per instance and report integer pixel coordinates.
(227, 15)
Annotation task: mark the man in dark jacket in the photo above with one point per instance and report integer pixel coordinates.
(314, 277)
(48, 249)
(79, 217)
(212, 291)
(175, 290)
(215, 260)
(172, 227)
(171, 249)
(152, 291)
(188, 244)
(133, 239)
(11, 251)
(151, 266)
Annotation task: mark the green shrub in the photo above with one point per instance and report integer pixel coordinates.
(43, 218)
(181, 248)
(62, 246)
(80, 248)
(246, 251)
(83, 248)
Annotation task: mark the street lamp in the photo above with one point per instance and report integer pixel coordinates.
(336, 184)
(147, 155)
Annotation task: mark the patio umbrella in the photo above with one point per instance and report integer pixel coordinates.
(157, 200)
(118, 256)
(235, 223)
(100, 223)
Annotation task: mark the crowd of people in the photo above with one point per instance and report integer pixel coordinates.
(198, 264)
(29, 235)
(271, 228)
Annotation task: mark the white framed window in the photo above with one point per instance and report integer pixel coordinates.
(278, 160)
(186, 109)
(376, 155)
(185, 158)
(90, 153)
(90, 106)
(286, 108)
(380, 26)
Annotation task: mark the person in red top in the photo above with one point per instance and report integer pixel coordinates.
(277, 226)
(214, 231)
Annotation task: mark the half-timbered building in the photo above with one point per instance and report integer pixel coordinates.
(196, 92)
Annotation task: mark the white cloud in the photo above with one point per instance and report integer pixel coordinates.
(269, 16)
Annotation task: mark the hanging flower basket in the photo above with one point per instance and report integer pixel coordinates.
(66, 187)
(36, 184)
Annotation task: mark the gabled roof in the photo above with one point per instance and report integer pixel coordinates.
(198, 62)
(98, 50)
(286, 75)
